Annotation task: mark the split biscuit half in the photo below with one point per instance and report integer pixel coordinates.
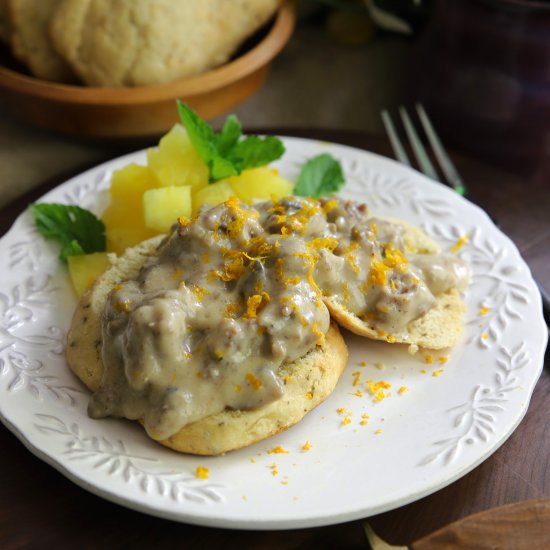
(308, 380)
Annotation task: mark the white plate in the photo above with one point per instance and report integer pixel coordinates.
(413, 444)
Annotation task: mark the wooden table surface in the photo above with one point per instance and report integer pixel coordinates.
(40, 508)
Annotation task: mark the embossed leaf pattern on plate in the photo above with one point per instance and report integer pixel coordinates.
(85, 194)
(114, 459)
(475, 419)
(27, 252)
(22, 353)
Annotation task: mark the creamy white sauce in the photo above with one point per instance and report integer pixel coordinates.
(230, 297)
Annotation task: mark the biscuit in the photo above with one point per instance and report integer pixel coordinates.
(308, 381)
(440, 327)
(140, 42)
(30, 39)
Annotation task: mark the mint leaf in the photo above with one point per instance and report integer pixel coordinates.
(224, 152)
(321, 175)
(229, 136)
(77, 230)
(201, 134)
(255, 151)
(221, 168)
(72, 248)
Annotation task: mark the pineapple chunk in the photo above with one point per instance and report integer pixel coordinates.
(129, 183)
(163, 206)
(212, 195)
(260, 184)
(121, 236)
(176, 162)
(124, 225)
(85, 269)
(123, 219)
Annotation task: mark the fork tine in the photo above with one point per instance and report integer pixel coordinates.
(443, 158)
(397, 147)
(419, 151)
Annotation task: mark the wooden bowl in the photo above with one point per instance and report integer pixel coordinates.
(145, 110)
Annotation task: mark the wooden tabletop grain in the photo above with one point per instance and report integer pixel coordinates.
(40, 508)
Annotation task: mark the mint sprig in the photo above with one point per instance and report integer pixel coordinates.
(225, 153)
(320, 175)
(77, 230)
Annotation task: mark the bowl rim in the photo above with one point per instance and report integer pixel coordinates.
(260, 55)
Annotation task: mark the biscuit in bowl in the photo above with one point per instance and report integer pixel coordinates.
(29, 33)
(128, 112)
(141, 42)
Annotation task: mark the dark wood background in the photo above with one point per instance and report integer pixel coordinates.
(40, 508)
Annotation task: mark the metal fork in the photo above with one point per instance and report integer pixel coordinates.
(445, 164)
(452, 177)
